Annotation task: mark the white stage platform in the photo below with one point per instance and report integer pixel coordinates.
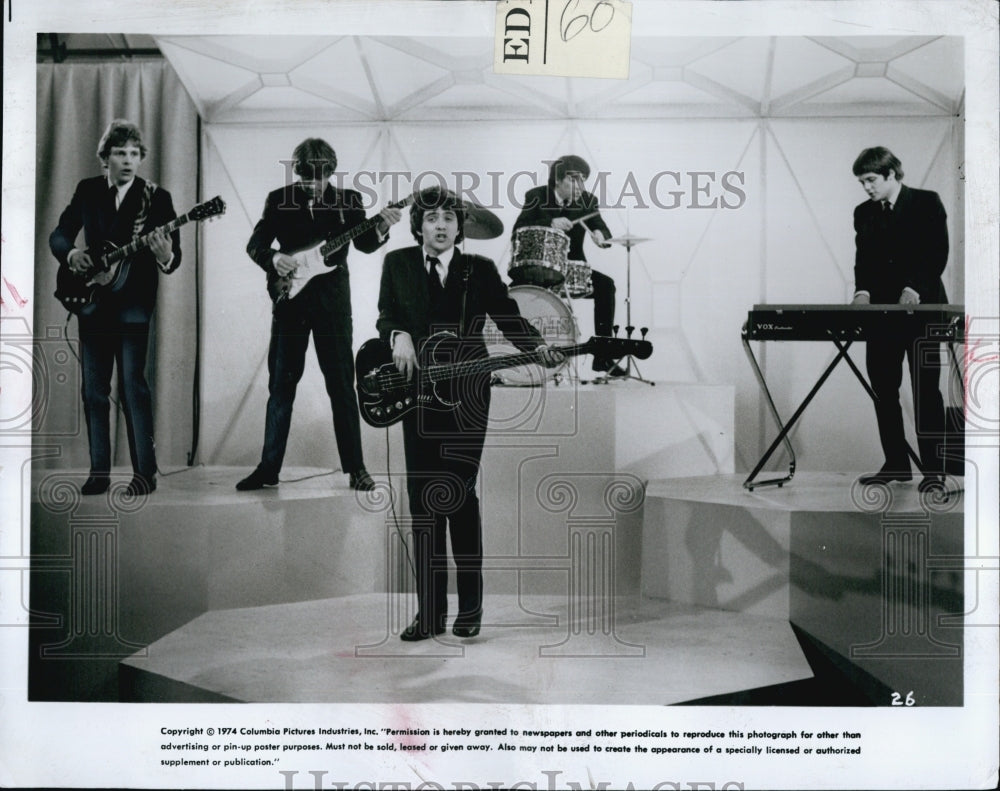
(347, 650)
(574, 510)
(873, 573)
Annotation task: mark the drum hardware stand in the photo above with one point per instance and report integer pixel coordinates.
(628, 242)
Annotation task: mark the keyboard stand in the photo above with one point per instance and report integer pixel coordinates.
(784, 428)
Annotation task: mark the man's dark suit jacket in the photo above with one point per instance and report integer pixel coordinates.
(404, 302)
(905, 247)
(93, 209)
(541, 207)
(287, 218)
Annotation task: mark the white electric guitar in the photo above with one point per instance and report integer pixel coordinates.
(311, 261)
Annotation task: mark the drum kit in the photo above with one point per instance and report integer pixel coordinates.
(547, 283)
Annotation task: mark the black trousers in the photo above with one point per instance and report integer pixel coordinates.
(884, 361)
(443, 451)
(322, 309)
(104, 345)
(604, 302)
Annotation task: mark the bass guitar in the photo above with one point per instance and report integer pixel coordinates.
(311, 261)
(80, 293)
(385, 396)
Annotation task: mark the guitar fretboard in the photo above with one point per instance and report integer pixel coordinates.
(349, 235)
(140, 242)
(443, 373)
(437, 373)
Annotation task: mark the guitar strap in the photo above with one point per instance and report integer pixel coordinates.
(466, 267)
(140, 218)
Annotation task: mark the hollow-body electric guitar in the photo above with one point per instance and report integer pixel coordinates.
(311, 261)
(385, 396)
(80, 293)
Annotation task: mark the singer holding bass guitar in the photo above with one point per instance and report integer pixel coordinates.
(427, 289)
(300, 217)
(114, 328)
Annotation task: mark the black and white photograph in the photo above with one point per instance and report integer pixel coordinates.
(507, 394)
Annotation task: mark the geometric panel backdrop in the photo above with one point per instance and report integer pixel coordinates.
(732, 156)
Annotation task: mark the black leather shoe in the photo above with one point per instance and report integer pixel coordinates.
(608, 367)
(140, 485)
(465, 627)
(256, 480)
(362, 481)
(931, 483)
(885, 477)
(95, 484)
(419, 631)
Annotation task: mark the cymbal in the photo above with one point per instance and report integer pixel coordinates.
(481, 223)
(628, 240)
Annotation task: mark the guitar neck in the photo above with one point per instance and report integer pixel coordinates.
(355, 231)
(489, 364)
(141, 242)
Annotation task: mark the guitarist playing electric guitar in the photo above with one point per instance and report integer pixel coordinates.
(117, 207)
(425, 289)
(305, 215)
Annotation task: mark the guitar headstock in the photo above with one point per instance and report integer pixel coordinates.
(212, 208)
(614, 348)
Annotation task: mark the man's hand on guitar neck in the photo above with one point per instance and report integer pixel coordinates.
(161, 247)
(390, 215)
(550, 357)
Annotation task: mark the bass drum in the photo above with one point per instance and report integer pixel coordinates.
(548, 314)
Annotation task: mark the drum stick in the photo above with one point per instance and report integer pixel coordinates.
(585, 217)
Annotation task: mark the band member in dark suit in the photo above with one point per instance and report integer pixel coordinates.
(117, 207)
(902, 249)
(426, 289)
(557, 205)
(299, 216)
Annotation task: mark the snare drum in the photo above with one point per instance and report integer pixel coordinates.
(551, 317)
(539, 256)
(579, 283)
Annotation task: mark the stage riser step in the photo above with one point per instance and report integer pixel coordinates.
(876, 576)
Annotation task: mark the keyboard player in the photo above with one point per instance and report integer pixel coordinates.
(901, 251)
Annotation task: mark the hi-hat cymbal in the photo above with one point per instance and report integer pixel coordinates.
(481, 223)
(628, 240)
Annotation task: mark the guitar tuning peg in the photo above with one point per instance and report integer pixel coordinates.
(616, 328)
(629, 330)
(643, 330)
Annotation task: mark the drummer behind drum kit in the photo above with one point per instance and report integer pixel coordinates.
(539, 259)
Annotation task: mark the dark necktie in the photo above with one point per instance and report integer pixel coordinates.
(113, 198)
(434, 287)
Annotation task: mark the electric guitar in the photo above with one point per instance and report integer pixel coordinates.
(80, 293)
(311, 261)
(385, 396)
